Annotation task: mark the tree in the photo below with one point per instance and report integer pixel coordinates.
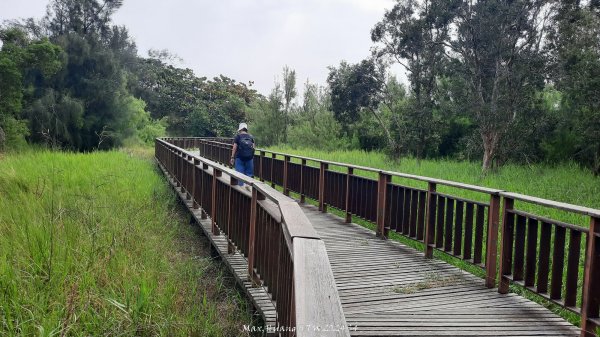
(575, 42)
(24, 63)
(413, 34)
(497, 50)
(315, 126)
(356, 88)
(289, 93)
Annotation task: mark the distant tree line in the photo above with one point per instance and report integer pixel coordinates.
(75, 81)
(495, 81)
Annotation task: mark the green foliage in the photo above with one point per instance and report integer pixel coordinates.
(72, 78)
(415, 32)
(576, 54)
(354, 87)
(267, 118)
(93, 244)
(144, 128)
(23, 63)
(314, 124)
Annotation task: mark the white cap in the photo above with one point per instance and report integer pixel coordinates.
(243, 126)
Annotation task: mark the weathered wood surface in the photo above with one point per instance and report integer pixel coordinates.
(388, 289)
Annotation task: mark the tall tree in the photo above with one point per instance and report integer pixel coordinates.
(24, 64)
(289, 93)
(413, 34)
(357, 88)
(497, 49)
(575, 46)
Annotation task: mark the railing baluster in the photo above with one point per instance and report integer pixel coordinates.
(544, 260)
(195, 182)
(322, 205)
(303, 179)
(286, 160)
(347, 196)
(531, 252)
(479, 220)
(590, 307)
(439, 230)
(384, 180)
(492, 241)
(430, 222)
(448, 228)
(558, 262)
(572, 268)
(458, 228)
(507, 245)
(421, 211)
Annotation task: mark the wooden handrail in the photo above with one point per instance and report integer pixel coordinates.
(310, 300)
(553, 204)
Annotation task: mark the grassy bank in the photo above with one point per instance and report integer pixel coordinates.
(565, 182)
(95, 244)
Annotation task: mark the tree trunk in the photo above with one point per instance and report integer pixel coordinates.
(2, 139)
(490, 144)
(388, 135)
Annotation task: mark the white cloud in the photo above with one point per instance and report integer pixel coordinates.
(245, 39)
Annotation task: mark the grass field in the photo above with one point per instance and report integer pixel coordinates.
(95, 244)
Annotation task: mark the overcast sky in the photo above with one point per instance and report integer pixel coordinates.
(248, 40)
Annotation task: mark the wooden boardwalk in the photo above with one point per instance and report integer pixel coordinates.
(389, 289)
(386, 288)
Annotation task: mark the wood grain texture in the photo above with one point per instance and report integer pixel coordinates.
(388, 289)
(310, 259)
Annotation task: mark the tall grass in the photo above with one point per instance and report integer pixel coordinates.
(94, 244)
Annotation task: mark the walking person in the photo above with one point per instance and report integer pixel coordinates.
(242, 154)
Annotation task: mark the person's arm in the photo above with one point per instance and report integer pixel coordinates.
(233, 150)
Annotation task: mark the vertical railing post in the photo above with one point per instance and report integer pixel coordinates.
(177, 166)
(506, 245)
(203, 215)
(591, 281)
(347, 201)
(286, 160)
(252, 236)
(273, 156)
(195, 181)
(216, 175)
(382, 183)
(323, 168)
(261, 166)
(430, 219)
(302, 196)
(491, 253)
(181, 173)
(189, 169)
(232, 182)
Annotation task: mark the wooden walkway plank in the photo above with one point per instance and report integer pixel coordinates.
(388, 289)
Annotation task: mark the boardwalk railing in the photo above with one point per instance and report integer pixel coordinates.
(284, 252)
(534, 251)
